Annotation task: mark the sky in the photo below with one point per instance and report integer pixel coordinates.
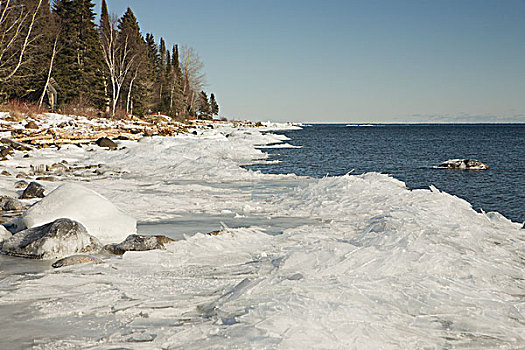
(384, 61)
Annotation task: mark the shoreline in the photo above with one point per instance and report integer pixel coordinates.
(359, 252)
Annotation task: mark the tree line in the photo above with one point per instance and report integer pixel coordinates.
(56, 55)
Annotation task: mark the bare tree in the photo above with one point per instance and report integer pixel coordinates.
(16, 34)
(193, 77)
(118, 57)
(50, 70)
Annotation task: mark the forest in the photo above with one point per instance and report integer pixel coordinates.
(56, 56)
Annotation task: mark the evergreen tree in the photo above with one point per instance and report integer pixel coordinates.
(79, 61)
(137, 84)
(177, 100)
(214, 106)
(203, 106)
(155, 67)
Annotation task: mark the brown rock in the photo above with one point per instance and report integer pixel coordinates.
(31, 125)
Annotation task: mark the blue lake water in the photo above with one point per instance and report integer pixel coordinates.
(409, 152)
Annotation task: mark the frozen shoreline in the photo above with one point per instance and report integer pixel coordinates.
(340, 262)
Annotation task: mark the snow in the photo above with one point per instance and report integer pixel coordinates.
(73, 201)
(354, 261)
(4, 234)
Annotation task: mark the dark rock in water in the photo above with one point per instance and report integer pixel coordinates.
(5, 173)
(13, 204)
(33, 190)
(105, 142)
(75, 260)
(138, 243)
(463, 164)
(122, 137)
(59, 238)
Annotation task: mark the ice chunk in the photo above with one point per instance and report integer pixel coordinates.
(4, 233)
(100, 217)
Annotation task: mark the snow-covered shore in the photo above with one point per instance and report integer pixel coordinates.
(337, 263)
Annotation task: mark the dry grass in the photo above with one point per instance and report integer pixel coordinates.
(20, 110)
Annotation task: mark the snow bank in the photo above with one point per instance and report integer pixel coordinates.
(100, 217)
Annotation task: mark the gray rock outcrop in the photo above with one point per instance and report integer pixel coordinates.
(54, 240)
(138, 243)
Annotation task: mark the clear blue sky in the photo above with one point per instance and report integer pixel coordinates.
(352, 61)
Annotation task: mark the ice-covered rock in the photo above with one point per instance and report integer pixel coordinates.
(13, 204)
(100, 217)
(463, 164)
(138, 243)
(55, 240)
(75, 260)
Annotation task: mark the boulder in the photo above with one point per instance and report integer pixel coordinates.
(6, 151)
(75, 260)
(13, 204)
(138, 243)
(105, 142)
(31, 125)
(100, 217)
(463, 164)
(21, 184)
(55, 240)
(33, 190)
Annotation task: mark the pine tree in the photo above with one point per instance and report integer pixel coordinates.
(155, 67)
(137, 84)
(79, 62)
(213, 105)
(177, 100)
(203, 106)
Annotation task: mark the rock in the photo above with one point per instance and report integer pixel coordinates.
(138, 243)
(4, 200)
(22, 176)
(100, 217)
(31, 125)
(463, 164)
(57, 239)
(75, 260)
(46, 178)
(122, 137)
(33, 190)
(20, 184)
(16, 145)
(13, 204)
(105, 142)
(4, 234)
(6, 151)
(5, 173)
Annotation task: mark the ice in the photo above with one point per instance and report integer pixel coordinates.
(73, 201)
(359, 261)
(4, 234)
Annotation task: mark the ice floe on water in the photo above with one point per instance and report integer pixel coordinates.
(359, 261)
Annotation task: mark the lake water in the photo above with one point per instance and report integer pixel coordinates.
(409, 153)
